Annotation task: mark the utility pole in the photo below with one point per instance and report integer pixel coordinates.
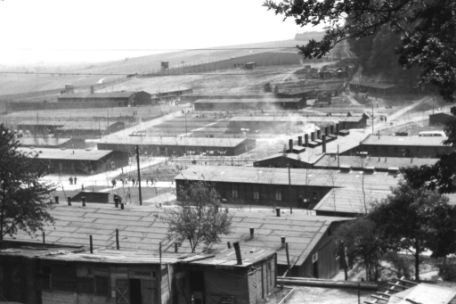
(372, 117)
(139, 175)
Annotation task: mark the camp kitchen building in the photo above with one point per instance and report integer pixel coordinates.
(77, 161)
(125, 264)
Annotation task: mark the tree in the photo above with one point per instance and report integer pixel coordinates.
(24, 200)
(363, 244)
(411, 218)
(198, 218)
(425, 30)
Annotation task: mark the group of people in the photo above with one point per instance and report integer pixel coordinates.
(73, 180)
(133, 181)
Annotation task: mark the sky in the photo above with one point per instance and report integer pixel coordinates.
(69, 31)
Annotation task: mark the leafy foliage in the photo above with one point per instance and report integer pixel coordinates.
(425, 30)
(24, 200)
(199, 218)
(363, 244)
(412, 218)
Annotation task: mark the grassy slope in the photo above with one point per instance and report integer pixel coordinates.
(20, 83)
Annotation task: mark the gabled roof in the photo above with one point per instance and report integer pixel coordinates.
(143, 228)
(66, 154)
(280, 176)
(350, 201)
(424, 293)
(333, 161)
(404, 141)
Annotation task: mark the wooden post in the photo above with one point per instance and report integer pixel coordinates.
(117, 239)
(237, 250)
(288, 255)
(139, 175)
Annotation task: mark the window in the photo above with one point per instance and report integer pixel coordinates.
(256, 195)
(278, 195)
(101, 285)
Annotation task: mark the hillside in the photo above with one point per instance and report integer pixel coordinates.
(11, 83)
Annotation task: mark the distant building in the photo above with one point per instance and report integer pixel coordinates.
(45, 142)
(402, 146)
(300, 188)
(177, 146)
(113, 99)
(248, 104)
(78, 161)
(441, 119)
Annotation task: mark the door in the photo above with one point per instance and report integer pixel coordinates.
(135, 291)
(122, 291)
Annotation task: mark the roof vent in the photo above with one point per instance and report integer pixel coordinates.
(345, 168)
(369, 170)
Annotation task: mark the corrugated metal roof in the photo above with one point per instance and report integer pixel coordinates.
(67, 154)
(143, 228)
(279, 176)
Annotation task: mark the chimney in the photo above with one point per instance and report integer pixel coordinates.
(318, 134)
(323, 145)
(290, 145)
(282, 241)
(252, 233)
(69, 201)
(56, 198)
(83, 199)
(299, 140)
(306, 140)
(91, 243)
(278, 212)
(43, 234)
(237, 250)
(312, 136)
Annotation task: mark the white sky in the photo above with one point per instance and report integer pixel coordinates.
(51, 31)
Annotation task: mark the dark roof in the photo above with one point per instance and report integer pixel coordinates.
(404, 141)
(121, 94)
(67, 154)
(375, 85)
(279, 176)
(141, 229)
